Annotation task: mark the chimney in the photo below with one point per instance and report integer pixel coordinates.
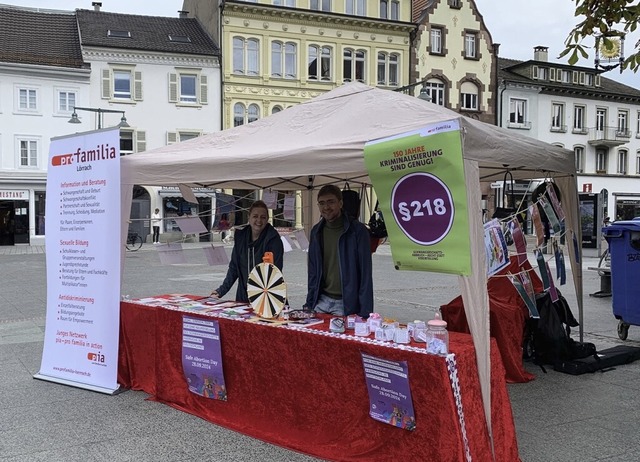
(183, 14)
(96, 6)
(541, 53)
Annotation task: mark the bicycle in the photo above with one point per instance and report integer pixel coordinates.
(134, 241)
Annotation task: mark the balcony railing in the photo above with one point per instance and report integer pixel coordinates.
(608, 136)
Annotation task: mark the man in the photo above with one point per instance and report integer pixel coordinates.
(340, 280)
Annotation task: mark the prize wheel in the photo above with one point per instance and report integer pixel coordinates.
(267, 290)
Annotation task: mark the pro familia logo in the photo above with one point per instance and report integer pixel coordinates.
(101, 152)
(96, 358)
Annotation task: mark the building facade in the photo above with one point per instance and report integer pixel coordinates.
(161, 76)
(578, 108)
(455, 58)
(42, 76)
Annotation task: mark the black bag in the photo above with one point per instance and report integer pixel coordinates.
(602, 361)
(377, 228)
(551, 333)
(351, 202)
(502, 213)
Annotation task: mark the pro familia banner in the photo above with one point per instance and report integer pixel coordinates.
(83, 261)
(419, 179)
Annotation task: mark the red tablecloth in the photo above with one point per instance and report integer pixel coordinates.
(307, 392)
(507, 317)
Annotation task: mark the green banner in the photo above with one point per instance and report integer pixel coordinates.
(419, 179)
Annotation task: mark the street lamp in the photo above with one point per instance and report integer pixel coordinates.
(424, 94)
(75, 120)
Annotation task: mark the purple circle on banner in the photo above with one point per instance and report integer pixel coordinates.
(422, 207)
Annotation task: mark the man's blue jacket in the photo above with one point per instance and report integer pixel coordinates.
(356, 273)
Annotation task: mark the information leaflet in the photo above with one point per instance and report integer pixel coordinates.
(83, 261)
(389, 394)
(419, 179)
(202, 357)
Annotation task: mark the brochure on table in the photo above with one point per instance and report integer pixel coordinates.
(83, 251)
(389, 393)
(202, 357)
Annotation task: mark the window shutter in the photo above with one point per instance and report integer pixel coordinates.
(598, 81)
(574, 76)
(137, 86)
(173, 88)
(552, 74)
(204, 91)
(172, 137)
(141, 140)
(535, 72)
(106, 84)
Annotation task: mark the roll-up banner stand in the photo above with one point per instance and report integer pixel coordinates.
(83, 261)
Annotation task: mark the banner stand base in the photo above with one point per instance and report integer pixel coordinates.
(71, 383)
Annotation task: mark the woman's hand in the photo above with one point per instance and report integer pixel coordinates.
(215, 294)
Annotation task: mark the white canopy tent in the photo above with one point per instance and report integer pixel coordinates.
(321, 141)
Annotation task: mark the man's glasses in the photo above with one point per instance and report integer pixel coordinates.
(329, 202)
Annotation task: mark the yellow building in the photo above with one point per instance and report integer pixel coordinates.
(278, 53)
(455, 59)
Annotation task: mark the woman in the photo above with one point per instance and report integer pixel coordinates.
(156, 221)
(250, 244)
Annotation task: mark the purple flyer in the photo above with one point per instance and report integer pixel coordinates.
(389, 394)
(202, 357)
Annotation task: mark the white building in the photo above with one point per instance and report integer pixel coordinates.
(163, 74)
(579, 109)
(42, 76)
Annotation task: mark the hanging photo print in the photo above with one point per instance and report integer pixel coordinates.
(537, 224)
(551, 193)
(495, 246)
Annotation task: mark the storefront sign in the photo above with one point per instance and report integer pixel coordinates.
(83, 261)
(419, 179)
(14, 194)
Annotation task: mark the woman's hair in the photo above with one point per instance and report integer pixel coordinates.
(258, 205)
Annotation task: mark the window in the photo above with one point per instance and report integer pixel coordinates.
(122, 84)
(557, 118)
(388, 66)
(543, 74)
(623, 159)
(66, 101)
(578, 153)
(469, 96)
(589, 79)
(356, 7)
(39, 208)
(188, 88)
(354, 65)
(601, 119)
(471, 45)
(320, 5)
(601, 161)
(243, 115)
(623, 124)
(389, 9)
(435, 90)
(27, 99)
(638, 163)
(517, 111)
(284, 57)
(182, 135)
(276, 109)
(246, 56)
(638, 126)
(457, 4)
(319, 63)
(28, 152)
(132, 141)
(435, 41)
(578, 119)
(565, 76)
(289, 3)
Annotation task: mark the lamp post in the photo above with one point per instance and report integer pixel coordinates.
(75, 120)
(424, 94)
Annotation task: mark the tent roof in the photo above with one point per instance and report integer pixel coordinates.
(321, 141)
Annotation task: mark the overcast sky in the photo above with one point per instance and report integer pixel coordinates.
(517, 25)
